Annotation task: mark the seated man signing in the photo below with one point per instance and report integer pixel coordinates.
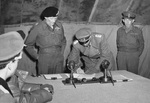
(89, 50)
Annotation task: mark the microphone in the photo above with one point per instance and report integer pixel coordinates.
(71, 65)
(71, 80)
(103, 67)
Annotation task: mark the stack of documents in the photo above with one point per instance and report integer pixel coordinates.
(116, 78)
(76, 75)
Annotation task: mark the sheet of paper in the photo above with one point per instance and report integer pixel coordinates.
(87, 76)
(52, 76)
(120, 77)
(82, 75)
(75, 75)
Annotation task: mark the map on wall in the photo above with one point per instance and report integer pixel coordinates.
(100, 11)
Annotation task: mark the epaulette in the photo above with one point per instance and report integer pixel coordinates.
(58, 23)
(36, 23)
(98, 35)
(75, 42)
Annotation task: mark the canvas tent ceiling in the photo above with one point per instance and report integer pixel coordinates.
(99, 11)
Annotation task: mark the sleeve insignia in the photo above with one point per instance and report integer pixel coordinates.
(36, 23)
(75, 42)
(57, 28)
(98, 36)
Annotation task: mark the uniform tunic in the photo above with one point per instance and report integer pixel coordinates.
(51, 43)
(5, 93)
(93, 55)
(130, 45)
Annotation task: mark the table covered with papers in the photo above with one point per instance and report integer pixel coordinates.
(136, 90)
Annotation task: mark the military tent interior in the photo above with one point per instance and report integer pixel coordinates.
(102, 16)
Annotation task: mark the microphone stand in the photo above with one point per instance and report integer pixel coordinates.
(111, 78)
(71, 80)
(105, 78)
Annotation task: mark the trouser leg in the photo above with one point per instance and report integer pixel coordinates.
(128, 61)
(121, 61)
(133, 62)
(50, 63)
(43, 64)
(58, 64)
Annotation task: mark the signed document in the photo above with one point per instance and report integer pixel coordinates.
(52, 76)
(82, 75)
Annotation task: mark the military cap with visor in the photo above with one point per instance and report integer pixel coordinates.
(128, 15)
(83, 35)
(11, 44)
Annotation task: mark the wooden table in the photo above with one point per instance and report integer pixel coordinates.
(136, 91)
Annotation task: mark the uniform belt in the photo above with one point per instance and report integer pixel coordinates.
(128, 49)
(50, 49)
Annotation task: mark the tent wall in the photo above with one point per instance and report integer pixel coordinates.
(110, 32)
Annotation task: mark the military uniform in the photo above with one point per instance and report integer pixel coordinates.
(6, 95)
(130, 45)
(51, 43)
(11, 44)
(92, 55)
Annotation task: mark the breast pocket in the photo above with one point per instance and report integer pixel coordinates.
(131, 39)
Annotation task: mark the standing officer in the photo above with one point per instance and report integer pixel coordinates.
(48, 36)
(130, 44)
(90, 49)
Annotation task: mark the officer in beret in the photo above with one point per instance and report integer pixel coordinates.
(130, 44)
(11, 46)
(48, 36)
(89, 50)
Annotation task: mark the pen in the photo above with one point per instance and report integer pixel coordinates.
(124, 80)
(53, 78)
(74, 84)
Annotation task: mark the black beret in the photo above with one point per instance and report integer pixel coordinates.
(49, 12)
(128, 14)
(11, 44)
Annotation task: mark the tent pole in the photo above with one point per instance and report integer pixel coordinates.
(93, 10)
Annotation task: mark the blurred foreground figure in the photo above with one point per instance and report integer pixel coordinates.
(48, 36)
(11, 46)
(130, 44)
(89, 50)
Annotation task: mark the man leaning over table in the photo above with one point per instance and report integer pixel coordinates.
(89, 50)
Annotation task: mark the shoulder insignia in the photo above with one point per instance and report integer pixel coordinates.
(57, 28)
(36, 23)
(75, 42)
(98, 35)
